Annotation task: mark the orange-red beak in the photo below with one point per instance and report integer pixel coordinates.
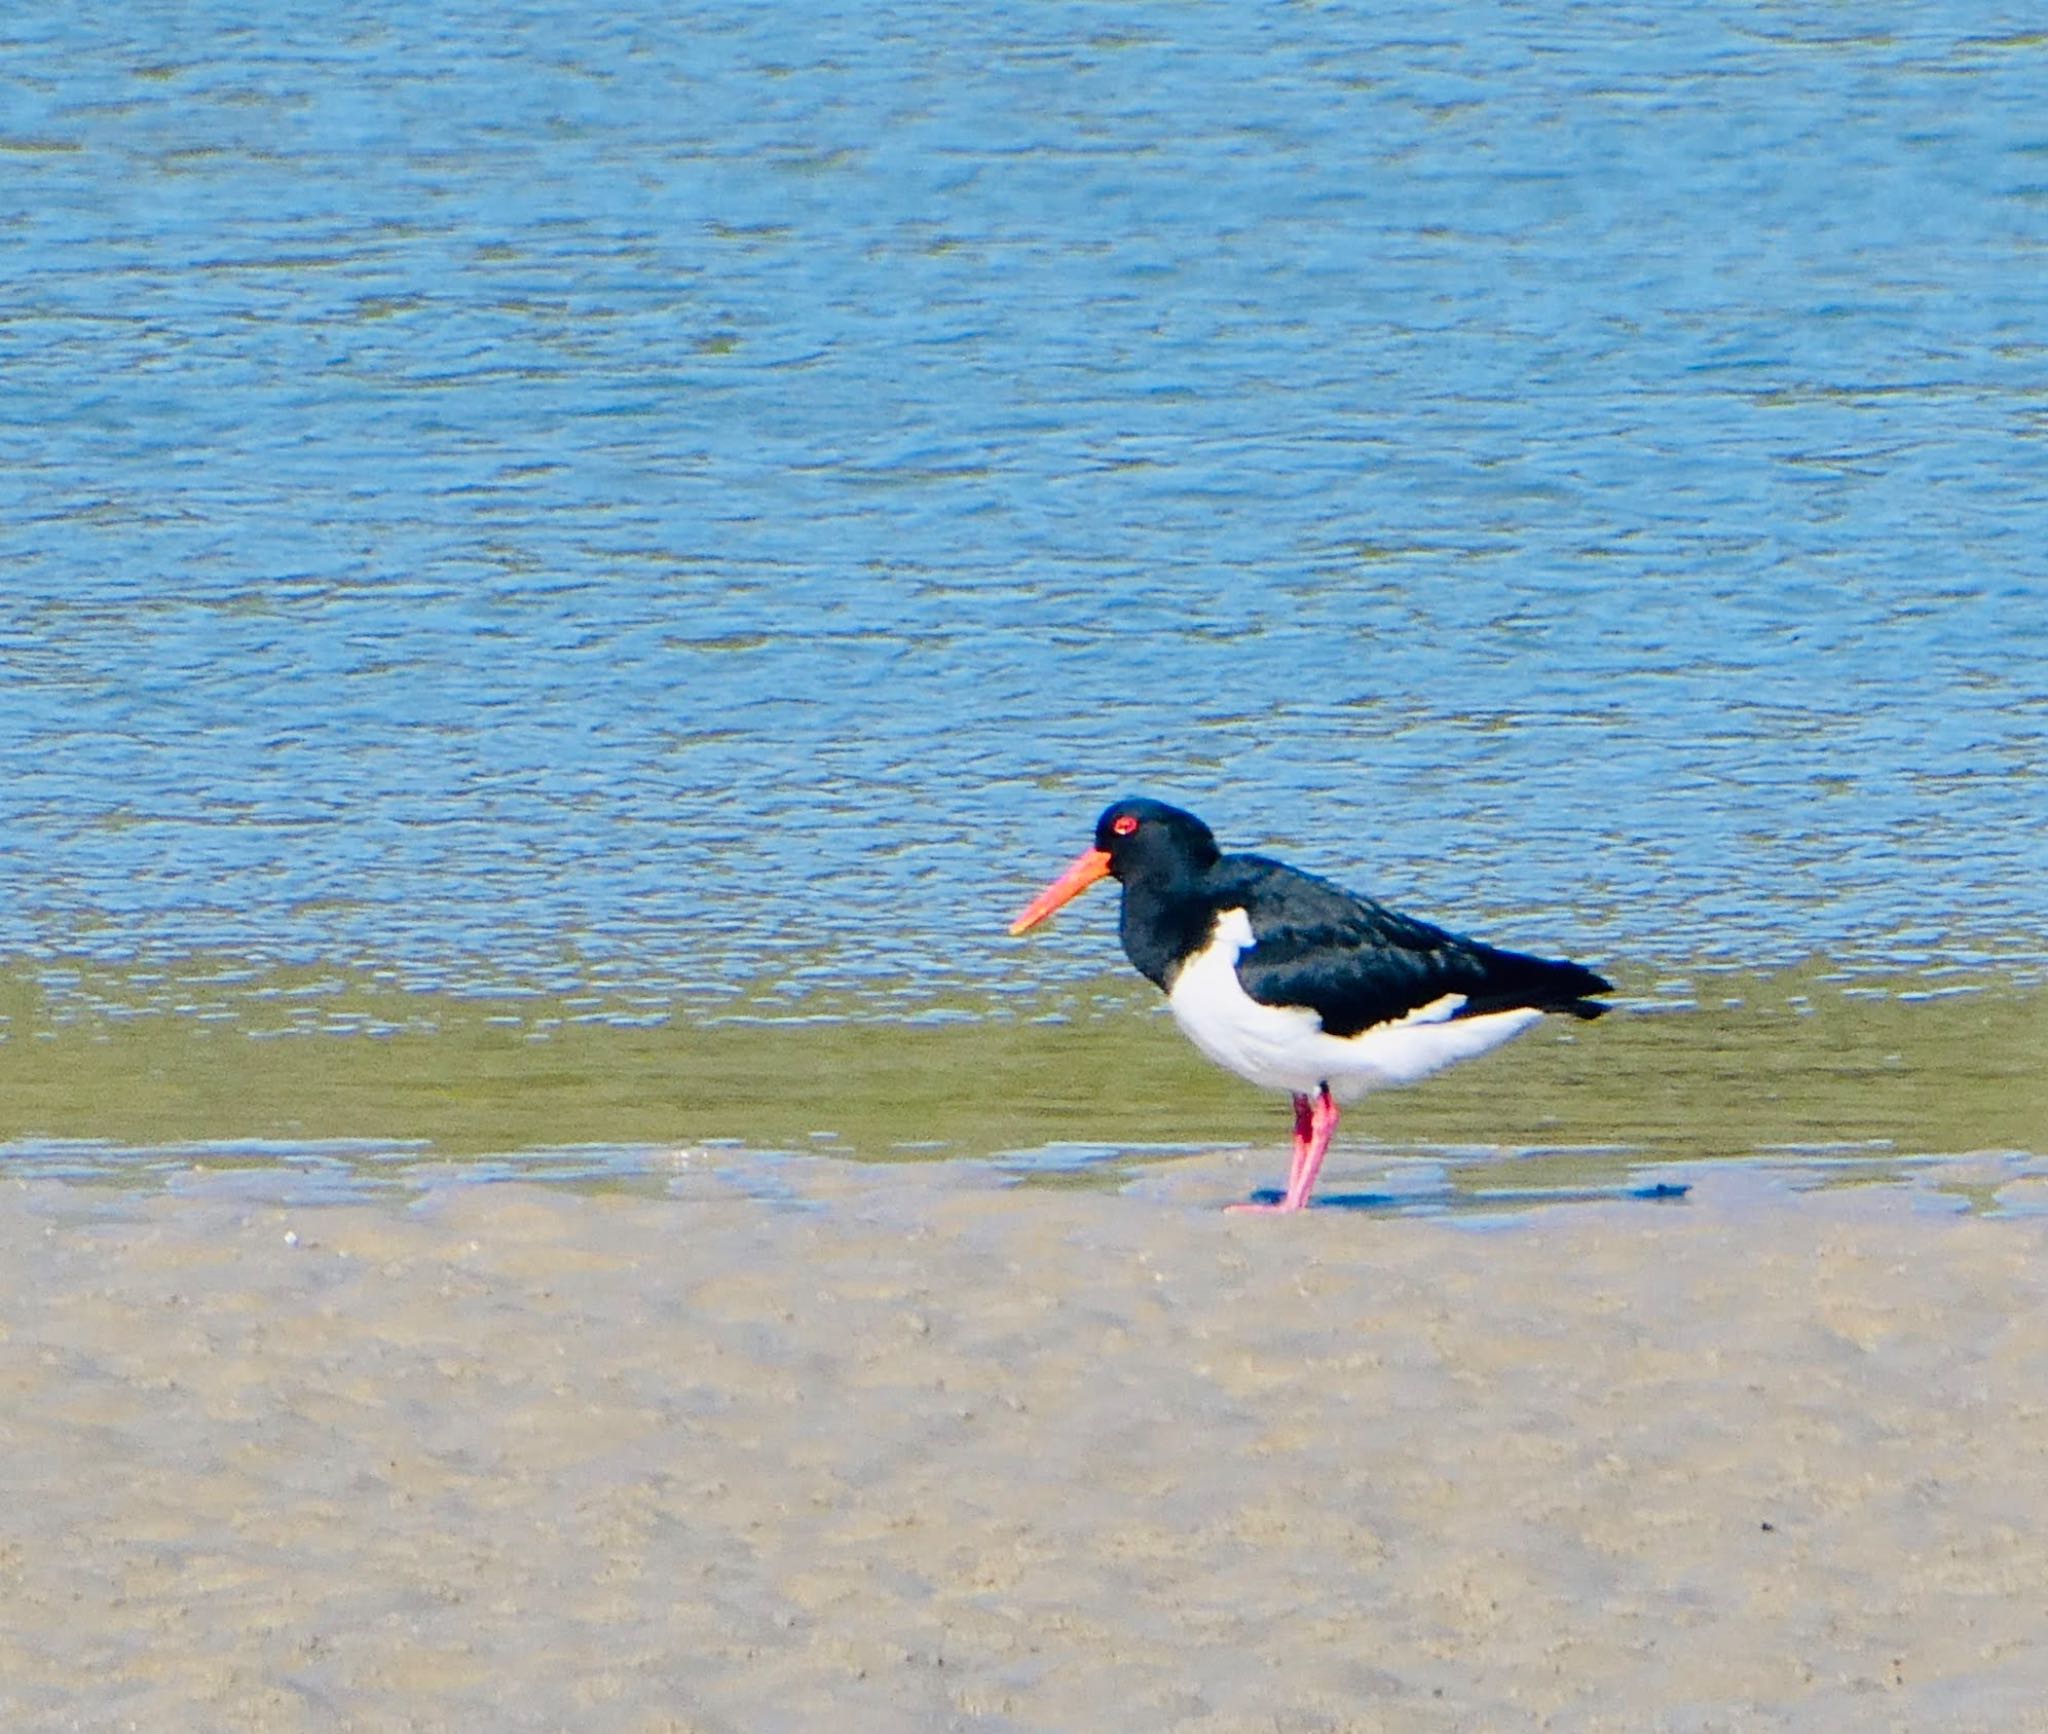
(1089, 866)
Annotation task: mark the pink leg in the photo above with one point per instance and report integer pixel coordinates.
(1314, 1122)
(1323, 1127)
(1304, 1130)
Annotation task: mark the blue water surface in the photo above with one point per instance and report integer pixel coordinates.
(699, 496)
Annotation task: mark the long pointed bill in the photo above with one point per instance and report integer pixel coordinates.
(1089, 866)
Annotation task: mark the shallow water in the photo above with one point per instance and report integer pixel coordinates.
(367, 1087)
(691, 508)
(1476, 1185)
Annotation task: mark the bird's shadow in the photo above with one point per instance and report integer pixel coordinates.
(1347, 1200)
(1446, 1201)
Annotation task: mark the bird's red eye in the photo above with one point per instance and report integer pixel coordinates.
(1123, 824)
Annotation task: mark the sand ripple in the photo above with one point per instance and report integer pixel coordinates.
(911, 1449)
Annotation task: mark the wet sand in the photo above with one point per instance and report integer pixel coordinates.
(909, 1448)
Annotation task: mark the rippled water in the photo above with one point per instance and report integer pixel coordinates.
(690, 498)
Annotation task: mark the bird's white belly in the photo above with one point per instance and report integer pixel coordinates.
(1286, 1047)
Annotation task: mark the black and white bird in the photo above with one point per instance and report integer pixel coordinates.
(1296, 984)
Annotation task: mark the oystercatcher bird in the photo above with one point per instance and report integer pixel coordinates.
(1298, 985)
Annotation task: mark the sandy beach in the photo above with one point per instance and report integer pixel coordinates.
(908, 1447)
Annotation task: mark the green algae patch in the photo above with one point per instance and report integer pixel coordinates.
(1754, 1064)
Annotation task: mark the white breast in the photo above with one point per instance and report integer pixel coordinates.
(1286, 1048)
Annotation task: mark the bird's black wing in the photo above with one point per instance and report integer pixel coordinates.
(1356, 963)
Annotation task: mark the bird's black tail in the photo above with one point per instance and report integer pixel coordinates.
(1515, 982)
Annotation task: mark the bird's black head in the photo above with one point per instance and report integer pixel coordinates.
(1146, 841)
(1151, 838)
